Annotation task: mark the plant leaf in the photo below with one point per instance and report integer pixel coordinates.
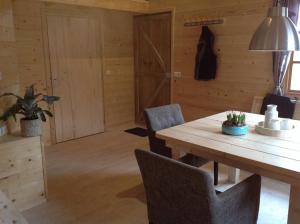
(50, 99)
(29, 93)
(235, 119)
(12, 111)
(48, 113)
(11, 94)
(42, 116)
(29, 104)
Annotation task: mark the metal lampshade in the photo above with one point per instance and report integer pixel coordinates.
(276, 33)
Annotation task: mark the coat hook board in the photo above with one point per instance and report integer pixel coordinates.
(203, 22)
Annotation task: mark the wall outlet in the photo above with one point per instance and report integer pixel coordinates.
(177, 74)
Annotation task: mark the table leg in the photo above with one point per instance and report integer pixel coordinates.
(175, 153)
(233, 174)
(294, 209)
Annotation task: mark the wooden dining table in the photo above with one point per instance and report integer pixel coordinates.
(273, 157)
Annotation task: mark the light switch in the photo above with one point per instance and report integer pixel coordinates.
(177, 74)
(1, 76)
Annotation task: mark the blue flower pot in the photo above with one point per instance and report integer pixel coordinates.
(236, 131)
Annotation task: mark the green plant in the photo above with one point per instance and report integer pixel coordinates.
(28, 105)
(235, 119)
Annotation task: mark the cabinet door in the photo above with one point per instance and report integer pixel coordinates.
(76, 69)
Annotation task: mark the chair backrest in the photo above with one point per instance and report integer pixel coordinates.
(159, 118)
(163, 117)
(286, 107)
(257, 105)
(176, 193)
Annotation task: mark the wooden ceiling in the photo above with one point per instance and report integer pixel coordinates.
(138, 6)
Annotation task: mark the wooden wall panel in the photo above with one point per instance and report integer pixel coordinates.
(8, 59)
(241, 74)
(117, 62)
(29, 46)
(118, 68)
(124, 5)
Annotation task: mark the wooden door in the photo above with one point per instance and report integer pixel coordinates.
(76, 61)
(152, 62)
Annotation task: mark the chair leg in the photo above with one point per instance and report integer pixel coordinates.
(216, 173)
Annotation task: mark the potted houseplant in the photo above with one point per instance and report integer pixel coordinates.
(33, 114)
(235, 124)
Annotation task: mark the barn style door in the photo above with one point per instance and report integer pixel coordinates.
(76, 73)
(152, 62)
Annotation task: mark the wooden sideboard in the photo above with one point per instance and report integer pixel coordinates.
(22, 171)
(8, 213)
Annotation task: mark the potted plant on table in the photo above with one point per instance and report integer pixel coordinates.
(27, 106)
(235, 124)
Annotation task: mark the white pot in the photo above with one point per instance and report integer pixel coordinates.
(31, 128)
(270, 114)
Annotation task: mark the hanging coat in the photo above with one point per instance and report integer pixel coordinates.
(206, 60)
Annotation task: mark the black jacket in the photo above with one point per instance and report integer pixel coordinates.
(206, 60)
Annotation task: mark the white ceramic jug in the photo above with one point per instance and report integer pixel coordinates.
(271, 113)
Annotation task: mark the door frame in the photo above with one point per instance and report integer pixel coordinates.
(62, 10)
(156, 12)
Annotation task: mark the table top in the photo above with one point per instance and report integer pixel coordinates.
(260, 153)
(11, 138)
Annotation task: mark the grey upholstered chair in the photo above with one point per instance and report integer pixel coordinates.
(163, 117)
(181, 194)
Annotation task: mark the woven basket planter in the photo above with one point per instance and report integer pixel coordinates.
(31, 128)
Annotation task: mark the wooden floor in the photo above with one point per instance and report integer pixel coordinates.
(96, 180)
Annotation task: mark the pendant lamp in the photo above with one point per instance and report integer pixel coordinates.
(276, 33)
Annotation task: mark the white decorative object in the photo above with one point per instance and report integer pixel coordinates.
(275, 133)
(286, 124)
(274, 124)
(271, 113)
(3, 130)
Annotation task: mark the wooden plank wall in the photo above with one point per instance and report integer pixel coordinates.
(29, 47)
(118, 68)
(241, 74)
(123, 5)
(118, 58)
(9, 81)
